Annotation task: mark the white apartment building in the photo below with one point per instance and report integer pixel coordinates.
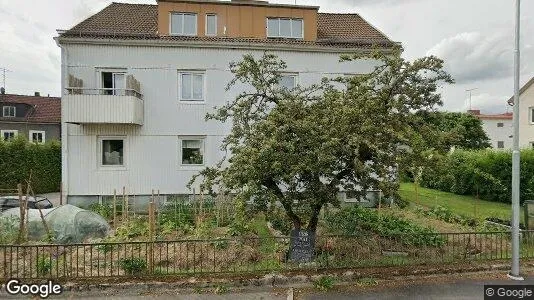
(498, 128)
(138, 81)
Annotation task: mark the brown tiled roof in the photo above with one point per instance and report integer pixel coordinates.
(45, 109)
(505, 116)
(139, 21)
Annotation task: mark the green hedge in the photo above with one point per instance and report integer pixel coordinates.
(19, 158)
(489, 171)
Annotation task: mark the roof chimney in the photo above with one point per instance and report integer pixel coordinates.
(37, 94)
(2, 91)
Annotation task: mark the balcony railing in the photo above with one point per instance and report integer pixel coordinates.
(103, 91)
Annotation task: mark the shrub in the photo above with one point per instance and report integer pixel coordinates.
(44, 265)
(355, 219)
(105, 210)
(133, 266)
(486, 172)
(18, 159)
(324, 283)
(9, 230)
(445, 214)
(135, 227)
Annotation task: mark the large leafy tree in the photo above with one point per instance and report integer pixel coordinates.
(298, 147)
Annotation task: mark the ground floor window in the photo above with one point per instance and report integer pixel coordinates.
(192, 151)
(37, 137)
(8, 135)
(500, 144)
(112, 151)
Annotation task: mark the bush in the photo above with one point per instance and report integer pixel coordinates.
(105, 210)
(133, 266)
(488, 172)
(357, 220)
(9, 230)
(44, 265)
(135, 227)
(18, 159)
(324, 283)
(445, 214)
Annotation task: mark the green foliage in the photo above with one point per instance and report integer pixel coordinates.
(9, 230)
(133, 266)
(105, 210)
(488, 172)
(219, 244)
(240, 224)
(445, 214)
(135, 227)
(324, 283)
(299, 147)
(19, 158)
(357, 220)
(44, 265)
(279, 221)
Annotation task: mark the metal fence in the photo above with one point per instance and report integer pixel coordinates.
(250, 255)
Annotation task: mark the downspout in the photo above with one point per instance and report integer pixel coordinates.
(64, 126)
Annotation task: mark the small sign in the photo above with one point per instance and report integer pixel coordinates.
(302, 246)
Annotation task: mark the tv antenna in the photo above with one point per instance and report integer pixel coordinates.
(4, 71)
(470, 92)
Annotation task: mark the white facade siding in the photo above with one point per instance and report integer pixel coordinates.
(152, 150)
(103, 109)
(526, 126)
(496, 133)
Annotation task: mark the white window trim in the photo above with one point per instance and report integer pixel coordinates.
(99, 153)
(183, 23)
(191, 138)
(216, 25)
(9, 108)
(37, 131)
(281, 36)
(530, 115)
(292, 74)
(204, 90)
(15, 133)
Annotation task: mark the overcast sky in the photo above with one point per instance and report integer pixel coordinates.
(474, 37)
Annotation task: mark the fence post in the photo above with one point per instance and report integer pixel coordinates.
(115, 208)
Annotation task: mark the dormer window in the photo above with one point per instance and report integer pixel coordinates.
(285, 28)
(9, 111)
(184, 24)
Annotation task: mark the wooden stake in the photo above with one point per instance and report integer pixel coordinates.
(417, 193)
(61, 194)
(123, 204)
(20, 238)
(115, 208)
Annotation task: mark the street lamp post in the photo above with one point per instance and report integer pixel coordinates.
(514, 273)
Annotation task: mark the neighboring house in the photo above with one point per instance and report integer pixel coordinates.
(138, 81)
(526, 114)
(498, 128)
(37, 118)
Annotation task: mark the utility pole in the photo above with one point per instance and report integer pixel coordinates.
(470, 92)
(514, 273)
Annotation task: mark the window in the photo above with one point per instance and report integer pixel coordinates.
(211, 25)
(9, 111)
(285, 28)
(192, 151)
(500, 124)
(531, 111)
(531, 145)
(192, 86)
(183, 24)
(114, 83)
(112, 152)
(500, 144)
(37, 137)
(8, 135)
(288, 81)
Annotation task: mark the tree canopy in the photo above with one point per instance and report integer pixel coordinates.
(299, 147)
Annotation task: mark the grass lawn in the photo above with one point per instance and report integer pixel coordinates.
(464, 205)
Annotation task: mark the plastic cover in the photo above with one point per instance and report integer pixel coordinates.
(68, 224)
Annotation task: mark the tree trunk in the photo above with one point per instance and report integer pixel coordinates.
(314, 220)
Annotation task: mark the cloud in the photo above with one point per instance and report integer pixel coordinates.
(487, 103)
(472, 56)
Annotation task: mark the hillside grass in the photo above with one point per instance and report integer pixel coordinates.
(463, 205)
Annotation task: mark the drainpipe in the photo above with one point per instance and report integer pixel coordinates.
(64, 189)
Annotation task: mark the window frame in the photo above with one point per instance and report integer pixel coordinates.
(180, 86)
(30, 136)
(181, 140)
(301, 37)
(290, 74)
(531, 115)
(499, 143)
(9, 107)
(183, 23)
(500, 124)
(100, 152)
(2, 132)
(216, 24)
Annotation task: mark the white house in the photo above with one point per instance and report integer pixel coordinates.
(498, 128)
(138, 81)
(526, 114)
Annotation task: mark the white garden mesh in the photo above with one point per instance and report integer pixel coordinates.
(68, 224)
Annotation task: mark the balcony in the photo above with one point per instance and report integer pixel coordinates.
(103, 106)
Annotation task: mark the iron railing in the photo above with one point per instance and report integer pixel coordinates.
(250, 255)
(103, 91)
